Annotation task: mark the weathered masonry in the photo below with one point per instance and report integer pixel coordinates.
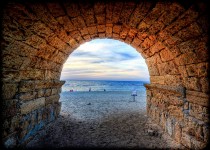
(37, 38)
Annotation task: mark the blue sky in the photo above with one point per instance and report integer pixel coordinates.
(105, 59)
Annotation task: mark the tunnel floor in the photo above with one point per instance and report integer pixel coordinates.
(92, 120)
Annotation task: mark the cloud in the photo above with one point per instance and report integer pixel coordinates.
(105, 59)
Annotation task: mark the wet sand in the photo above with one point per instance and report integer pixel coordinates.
(102, 120)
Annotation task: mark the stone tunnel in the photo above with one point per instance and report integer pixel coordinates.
(38, 37)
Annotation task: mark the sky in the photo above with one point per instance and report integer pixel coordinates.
(105, 59)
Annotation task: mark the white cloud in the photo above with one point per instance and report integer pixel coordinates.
(105, 59)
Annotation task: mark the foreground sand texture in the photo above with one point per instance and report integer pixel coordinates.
(102, 120)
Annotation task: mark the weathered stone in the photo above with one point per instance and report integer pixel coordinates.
(27, 96)
(26, 86)
(197, 100)
(176, 112)
(185, 139)
(9, 90)
(192, 83)
(177, 132)
(204, 82)
(174, 80)
(157, 79)
(52, 99)
(101, 28)
(170, 126)
(168, 68)
(153, 70)
(32, 105)
(169, 54)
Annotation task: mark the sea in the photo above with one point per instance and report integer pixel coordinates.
(100, 85)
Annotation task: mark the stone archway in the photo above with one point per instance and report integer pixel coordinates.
(172, 37)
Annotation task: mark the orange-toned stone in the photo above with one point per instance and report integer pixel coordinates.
(101, 28)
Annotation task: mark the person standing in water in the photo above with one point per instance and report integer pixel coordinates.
(89, 89)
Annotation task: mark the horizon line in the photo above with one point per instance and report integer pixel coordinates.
(104, 80)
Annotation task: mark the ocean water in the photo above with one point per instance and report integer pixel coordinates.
(96, 85)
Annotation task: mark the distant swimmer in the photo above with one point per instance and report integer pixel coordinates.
(89, 89)
(71, 90)
(104, 90)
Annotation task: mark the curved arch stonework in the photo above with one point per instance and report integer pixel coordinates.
(172, 37)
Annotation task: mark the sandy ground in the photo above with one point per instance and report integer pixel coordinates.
(102, 120)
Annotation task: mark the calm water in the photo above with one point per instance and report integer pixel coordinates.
(84, 85)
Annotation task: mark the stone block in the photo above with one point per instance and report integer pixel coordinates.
(52, 99)
(192, 83)
(90, 20)
(156, 47)
(148, 42)
(189, 32)
(204, 82)
(197, 100)
(40, 84)
(9, 90)
(197, 144)
(54, 91)
(186, 105)
(117, 29)
(101, 28)
(169, 54)
(149, 92)
(182, 71)
(32, 105)
(50, 75)
(48, 92)
(100, 18)
(168, 68)
(87, 37)
(26, 86)
(157, 79)
(186, 58)
(108, 30)
(186, 139)
(173, 80)
(35, 74)
(28, 95)
(92, 30)
(199, 112)
(78, 22)
(124, 32)
(116, 36)
(153, 70)
(136, 41)
(170, 127)
(177, 132)
(175, 100)
(155, 59)
(143, 26)
(55, 9)
(176, 111)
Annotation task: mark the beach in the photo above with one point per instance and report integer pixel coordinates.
(102, 119)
